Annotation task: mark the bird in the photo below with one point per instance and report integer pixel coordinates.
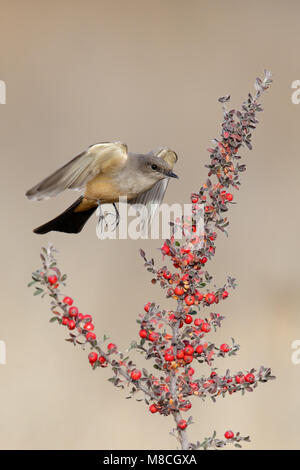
(104, 173)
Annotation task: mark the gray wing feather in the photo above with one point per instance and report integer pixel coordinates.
(76, 173)
(150, 201)
(68, 176)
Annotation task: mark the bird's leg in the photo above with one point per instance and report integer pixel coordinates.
(101, 218)
(117, 215)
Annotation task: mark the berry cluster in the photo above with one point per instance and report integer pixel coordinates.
(73, 319)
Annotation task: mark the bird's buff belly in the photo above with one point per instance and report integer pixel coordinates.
(102, 189)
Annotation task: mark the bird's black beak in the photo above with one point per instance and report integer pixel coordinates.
(170, 174)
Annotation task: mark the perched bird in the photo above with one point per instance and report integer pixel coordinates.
(104, 173)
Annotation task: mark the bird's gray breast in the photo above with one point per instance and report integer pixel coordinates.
(132, 180)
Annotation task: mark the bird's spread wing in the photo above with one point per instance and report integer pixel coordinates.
(76, 173)
(150, 200)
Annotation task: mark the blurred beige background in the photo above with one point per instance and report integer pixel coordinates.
(149, 74)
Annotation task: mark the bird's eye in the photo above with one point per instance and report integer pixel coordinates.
(154, 167)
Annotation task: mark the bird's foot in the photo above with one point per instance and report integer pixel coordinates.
(101, 217)
(104, 217)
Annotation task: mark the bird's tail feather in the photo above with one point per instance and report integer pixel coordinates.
(69, 221)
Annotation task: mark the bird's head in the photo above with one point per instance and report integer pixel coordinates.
(156, 168)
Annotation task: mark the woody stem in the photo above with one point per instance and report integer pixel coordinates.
(182, 433)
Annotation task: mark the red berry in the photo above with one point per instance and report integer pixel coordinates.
(198, 296)
(88, 327)
(205, 327)
(167, 275)
(187, 358)
(186, 407)
(240, 379)
(225, 348)
(87, 317)
(182, 424)
(195, 240)
(153, 408)
(189, 258)
(210, 298)
(250, 378)
(102, 360)
(71, 324)
(189, 300)
(198, 321)
(169, 357)
(64, 320)
(90, 336)
(188, 350)
(52, 279)
(153, 337)
(229, 434)
(80, 316)
(165, 249)
(179, 290)
(188, 319)
(93, 357)
(136, 374)
(180, 354)
(73, 311)
(195, 199)
(225, 294)
(229, 197)
(147, 307)
(143, 333)
(191, 371)
(204, 260)
(68, 301)
(199, 349)
(111, 346)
